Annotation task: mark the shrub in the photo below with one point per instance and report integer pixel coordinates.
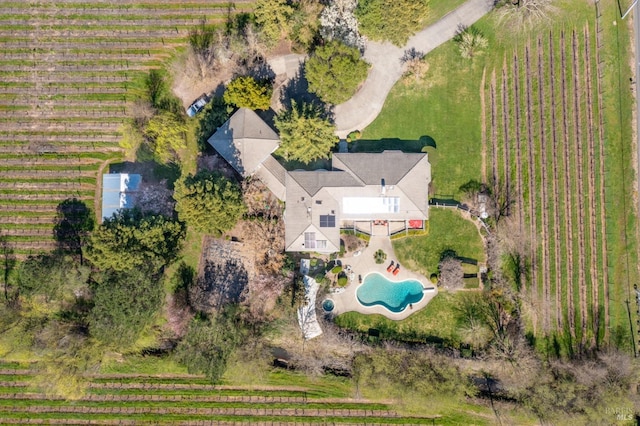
(354, 136)
(392, 20)
(470, 42)
(342, 279)
(246, 92)
(380, 256)
(335, 71)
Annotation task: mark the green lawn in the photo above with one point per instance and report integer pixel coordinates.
(448, 230)
(442, 110)
(439, 8)
(435, 323)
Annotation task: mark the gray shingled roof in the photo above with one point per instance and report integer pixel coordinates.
(245, 141)
(313, 181)
(272, 174)
(371, 168)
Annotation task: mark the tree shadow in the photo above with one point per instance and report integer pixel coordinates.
(297, 90)
(151, 171)
(9, 262)
(406, 145)
(214, 115)
(74, 222)
(219, 285)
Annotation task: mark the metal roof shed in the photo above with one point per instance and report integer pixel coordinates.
(118, 192)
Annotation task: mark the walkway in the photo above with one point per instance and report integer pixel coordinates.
(386, 68)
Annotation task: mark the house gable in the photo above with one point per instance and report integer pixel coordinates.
(245, 141)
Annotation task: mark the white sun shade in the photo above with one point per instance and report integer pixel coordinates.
(369, 205)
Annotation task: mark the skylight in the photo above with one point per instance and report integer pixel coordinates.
(370, 205)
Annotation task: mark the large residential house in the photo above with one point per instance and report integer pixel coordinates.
(374, 193)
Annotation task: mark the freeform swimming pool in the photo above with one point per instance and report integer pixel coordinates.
(393, 295)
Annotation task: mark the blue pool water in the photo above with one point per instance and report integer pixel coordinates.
(328, 305)
(393, 295)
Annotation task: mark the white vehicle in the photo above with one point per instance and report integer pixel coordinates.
(197, 106)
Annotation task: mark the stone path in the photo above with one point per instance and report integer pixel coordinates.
(386, 67)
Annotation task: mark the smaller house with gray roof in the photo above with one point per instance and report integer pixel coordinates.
(370, 192)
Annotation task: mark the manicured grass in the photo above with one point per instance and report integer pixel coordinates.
(435, 323)
(448, 230)
(439, 8)
(443, 109)
(622, 232)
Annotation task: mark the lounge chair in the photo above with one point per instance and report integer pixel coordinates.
(390, 267)
(397, 270)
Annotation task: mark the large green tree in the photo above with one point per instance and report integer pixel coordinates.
(209, 342)
(209, 202)
(391, 20)
(305, 135)
(272, 17)
(335, 71)
(246, 92)
(53, 277)
(166, 133)
(131, 239)
(124, 303)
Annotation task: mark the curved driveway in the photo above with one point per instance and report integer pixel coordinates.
(386, 67)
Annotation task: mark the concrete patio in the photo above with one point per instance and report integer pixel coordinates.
(364, 264)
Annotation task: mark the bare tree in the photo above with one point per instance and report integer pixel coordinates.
(451, 274)
(414, 63)
(514, 250)
(202, 58)
(501, 198)
(521, 14)
(264, 227)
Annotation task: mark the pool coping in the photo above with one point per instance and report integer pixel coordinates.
(347, 300)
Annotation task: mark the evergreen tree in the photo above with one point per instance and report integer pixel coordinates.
(130, 239)
(304, 134)
(335, 71)
(125, 302)
(246, 92)
(209, 202)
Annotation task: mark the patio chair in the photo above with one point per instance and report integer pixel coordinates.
(397, 270)
(390, 267)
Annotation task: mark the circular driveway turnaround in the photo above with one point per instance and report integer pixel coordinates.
(386, 66)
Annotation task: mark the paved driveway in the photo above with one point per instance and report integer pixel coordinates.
(386, 68)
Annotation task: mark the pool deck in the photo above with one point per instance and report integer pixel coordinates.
(364, 264)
